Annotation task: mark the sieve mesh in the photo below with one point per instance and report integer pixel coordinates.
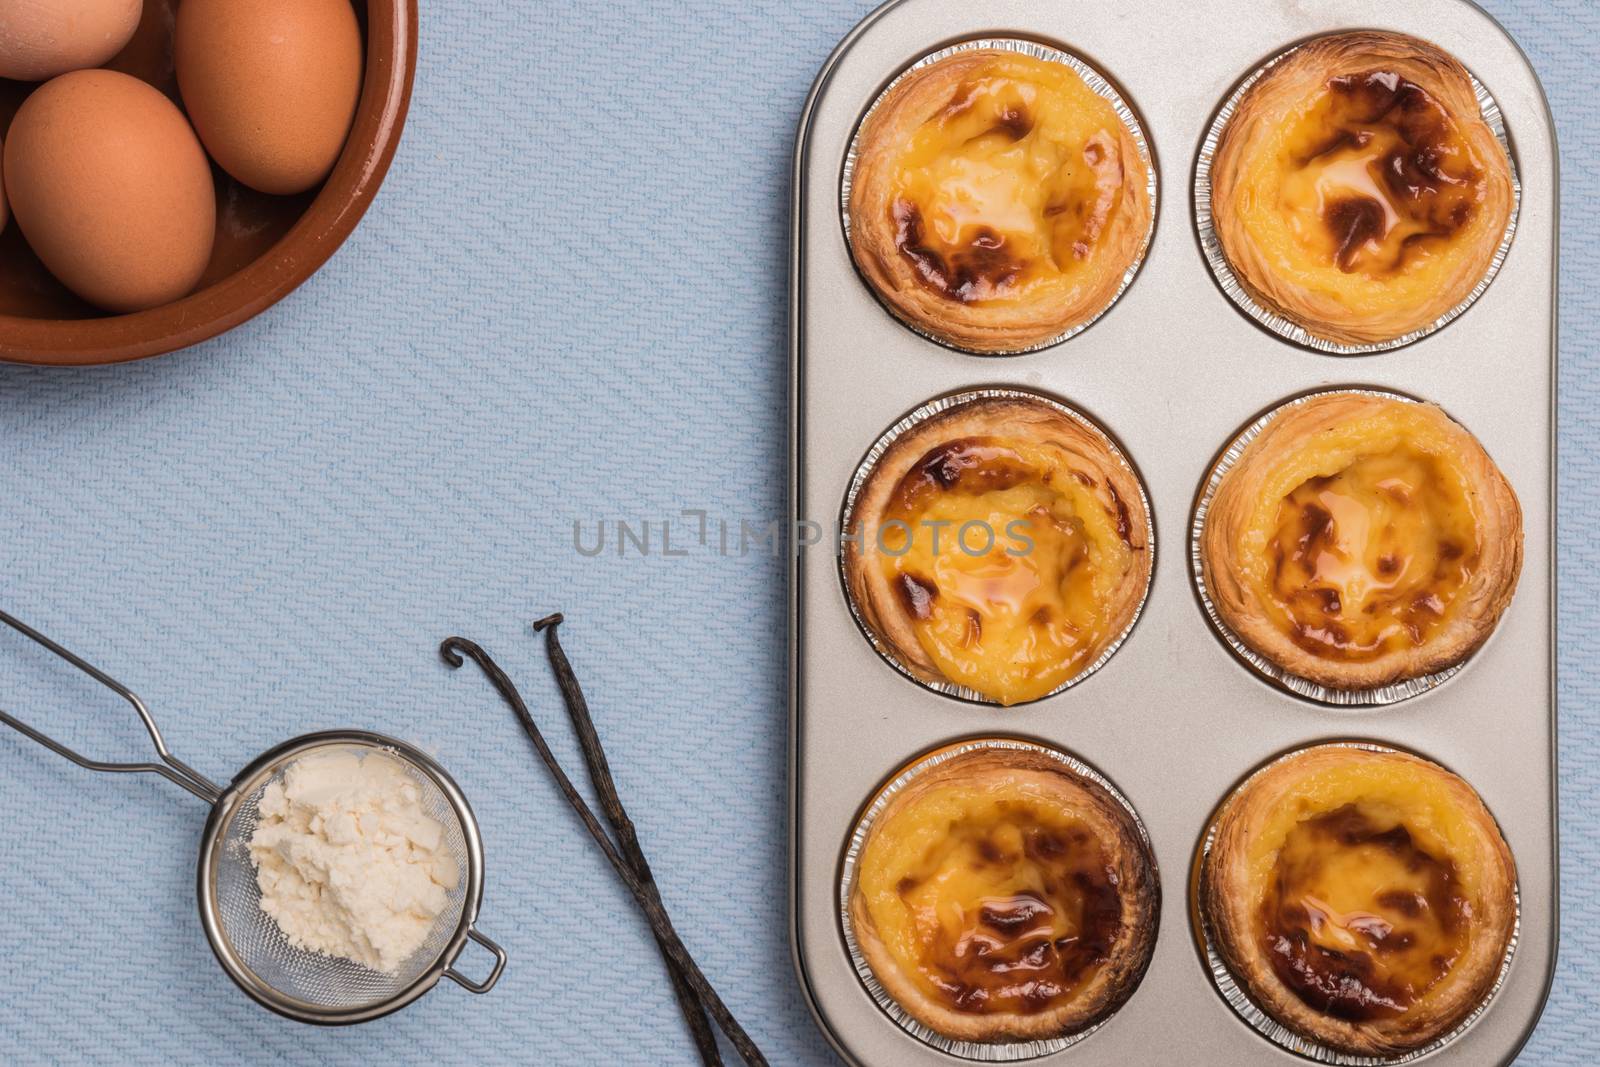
(326, 983)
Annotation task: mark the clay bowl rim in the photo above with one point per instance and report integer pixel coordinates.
(391, 65)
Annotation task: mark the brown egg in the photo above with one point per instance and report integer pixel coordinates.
(5, 212)
(112, 190)
(42, 38)
(271, 85)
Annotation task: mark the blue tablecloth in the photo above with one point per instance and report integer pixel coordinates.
(567, 304)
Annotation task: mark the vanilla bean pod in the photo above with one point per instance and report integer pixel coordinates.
(453, 650)
(605, 786)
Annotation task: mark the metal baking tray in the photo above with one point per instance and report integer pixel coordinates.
(1174, 371)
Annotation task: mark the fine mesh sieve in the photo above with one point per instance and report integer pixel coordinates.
(309, 986)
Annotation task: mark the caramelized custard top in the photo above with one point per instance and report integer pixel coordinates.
(1373, 885)
(1007, 558)
(1009, 186)
(1376, 174)
(993, 898)
(1359, 919)
(1372, 558)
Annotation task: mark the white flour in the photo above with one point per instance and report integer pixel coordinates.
(347, 862)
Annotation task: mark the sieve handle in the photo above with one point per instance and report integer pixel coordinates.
(494, 976)
(171, 768)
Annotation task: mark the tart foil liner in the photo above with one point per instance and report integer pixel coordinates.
(1098, 84)
(1392, 693)
(927, 411)
(1287, 328)
(981, 1051)
(1276, 1032)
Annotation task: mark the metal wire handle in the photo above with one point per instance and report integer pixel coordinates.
(488, 983)
(171, 768)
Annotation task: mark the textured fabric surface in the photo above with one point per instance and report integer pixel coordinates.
(568, 303)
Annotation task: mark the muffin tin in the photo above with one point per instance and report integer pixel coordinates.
(1174, 372)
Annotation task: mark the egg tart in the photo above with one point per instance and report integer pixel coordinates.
(997, 202)
(1363, 899)
(1357, 191)
(1002, 895)
(1361, 540)
(1000, 545)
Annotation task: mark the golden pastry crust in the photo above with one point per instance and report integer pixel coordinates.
(997, 202)
(1356, 189)
(1052, 574)
(1366, 900)
(1033, 844)
(1362, 540)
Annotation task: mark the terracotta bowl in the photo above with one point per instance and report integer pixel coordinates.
(265, 245)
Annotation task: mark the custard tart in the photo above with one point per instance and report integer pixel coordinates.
(1001, 545)
(1363, 899)
(997, 202)
(1361, 540)
(1001, 895)
(1357, 190)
